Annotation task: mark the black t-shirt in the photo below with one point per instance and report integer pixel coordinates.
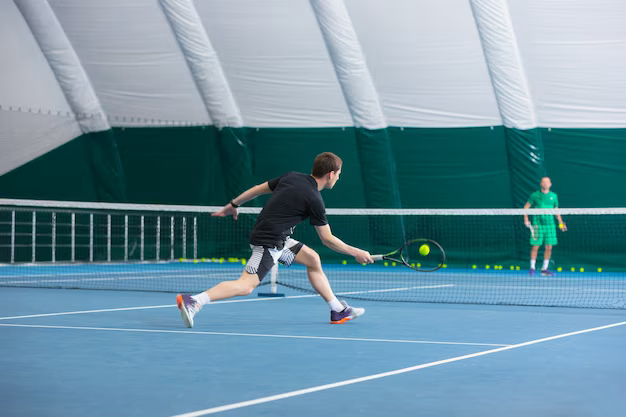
(294, 198)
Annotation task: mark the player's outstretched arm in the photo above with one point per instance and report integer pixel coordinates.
(230, 209)
(336, 244)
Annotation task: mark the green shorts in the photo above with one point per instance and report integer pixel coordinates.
(545, 234)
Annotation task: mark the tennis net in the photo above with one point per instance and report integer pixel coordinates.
(131, 247)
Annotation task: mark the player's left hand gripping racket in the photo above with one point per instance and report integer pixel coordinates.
(423, 255)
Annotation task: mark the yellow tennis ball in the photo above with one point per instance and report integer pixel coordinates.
(559, 269)
(424, 249)
(473, 266)
(582, 269)
(561, 226)
(487, 267)
(599, 269)
(344, 262)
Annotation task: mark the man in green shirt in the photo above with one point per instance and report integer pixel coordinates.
(543, 229)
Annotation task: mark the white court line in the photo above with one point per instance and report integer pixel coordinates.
(142, 308)
(280, 336)
(148, 276)
(214, 302)
(384, 374)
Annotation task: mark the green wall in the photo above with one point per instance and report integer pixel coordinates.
(421, 167)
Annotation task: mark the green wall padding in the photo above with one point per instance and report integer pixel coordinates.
(279, 150)
(106, 166)
(452, 168)
(172, 165)
(64, 173)
(235, 161)
(587, 166)
(526, 162)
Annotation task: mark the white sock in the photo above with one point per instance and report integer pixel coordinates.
(546, 264)
(202, 298)
(335, 305)
(532, 263)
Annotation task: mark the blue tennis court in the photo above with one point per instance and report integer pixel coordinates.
(101, 353)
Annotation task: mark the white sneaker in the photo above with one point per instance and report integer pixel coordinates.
(188, 308)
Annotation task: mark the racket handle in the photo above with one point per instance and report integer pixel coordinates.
(377, 257)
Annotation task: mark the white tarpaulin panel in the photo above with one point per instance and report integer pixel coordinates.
(203, 62)
(133, 61)
(504, 63)
(349, 63)
(574, 54)
(427, 62)
(34, 115)
(276, 63)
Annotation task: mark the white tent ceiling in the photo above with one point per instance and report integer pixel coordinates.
(317, 63)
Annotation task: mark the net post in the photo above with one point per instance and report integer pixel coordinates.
(13, 236)
(195, 238)
(54, 236)
(172, 238)
(142, 238)
(91, 237)
(158, 237)
(126, 237)
(273, 284)
(73, 233)
(34, 239)
(108, 238)
(184, 237)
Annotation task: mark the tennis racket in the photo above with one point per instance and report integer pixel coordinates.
(423, 255)
(532, 230)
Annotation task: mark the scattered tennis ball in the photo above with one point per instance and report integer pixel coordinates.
(582, 269)
(474, 266)
(424, 250)
(386, 264)
(243, 261)
(444, 265)
(181, 260)
(344, 262)
(419, 265)
(559, 269)
(573, 269)
(487, 267)
(517, 268)
(599, 269)
(203, 259)
(512, 268)
(412, 265)
(393, 264)
(195, 261)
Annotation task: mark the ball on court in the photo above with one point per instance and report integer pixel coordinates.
(473, 266)
(424, 250)
(344, 262)
(599, 269)
(559, 269)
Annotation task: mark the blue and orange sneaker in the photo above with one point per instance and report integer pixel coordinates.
(547, 273)
(188, 308)
(348, 313)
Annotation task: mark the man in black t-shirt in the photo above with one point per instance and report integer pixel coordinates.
(295, 197)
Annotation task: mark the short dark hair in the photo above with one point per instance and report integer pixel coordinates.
(324, 163)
